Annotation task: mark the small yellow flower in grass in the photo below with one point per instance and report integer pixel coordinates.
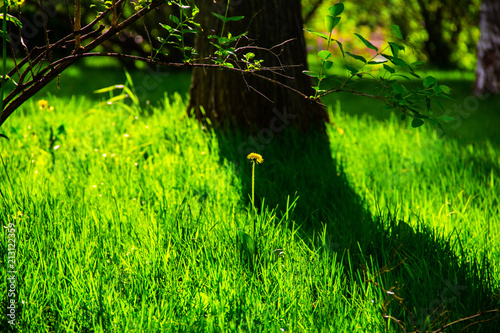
(255, 157)
(42, 104)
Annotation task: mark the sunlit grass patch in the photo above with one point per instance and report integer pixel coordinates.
(129, 221)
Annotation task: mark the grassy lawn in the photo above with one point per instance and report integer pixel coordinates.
(135, 218)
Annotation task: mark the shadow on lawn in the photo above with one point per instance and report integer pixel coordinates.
(432, 282)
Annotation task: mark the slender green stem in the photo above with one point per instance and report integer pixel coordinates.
(253, 197)
(322, 67)
(253, 183)
(225, 15)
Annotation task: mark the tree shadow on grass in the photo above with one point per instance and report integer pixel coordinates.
(435, 286)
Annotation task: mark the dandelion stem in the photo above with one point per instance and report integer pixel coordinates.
(253, 183)
(255, 158)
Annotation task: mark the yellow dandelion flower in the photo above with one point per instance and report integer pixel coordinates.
(42, 104)
(255, 157)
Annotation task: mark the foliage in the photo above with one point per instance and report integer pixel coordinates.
(385, 69)
(184, 24)
(452, 23)
(412, 101)
(44, 64)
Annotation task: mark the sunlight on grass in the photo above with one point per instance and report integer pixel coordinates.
(129, 223)
(446, 186)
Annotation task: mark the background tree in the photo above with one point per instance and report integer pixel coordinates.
(443, 22)
(444, 33)
(275, 36)
(488, 49)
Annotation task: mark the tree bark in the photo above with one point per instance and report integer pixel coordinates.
(436, 47)
(488, 50)
(231, 99)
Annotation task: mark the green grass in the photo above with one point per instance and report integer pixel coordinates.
(476, 118)
(132, 221)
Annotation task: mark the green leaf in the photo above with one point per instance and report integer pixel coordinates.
(436, 89)
(189, 31)
(389, 69)
(219, 16)
(445, 89)
(12, 19)
(367, 43)
(336, 9)
(331, 22)
(395, 49)
(169, 28)
(336, 21)
(399, 45)
(319, 34)
(429, 81)
(226, 19)
(446, 118)
(415, 75)
(324, 54)
(357, 57)
(235, 18)
(417, 122)
(418, 63)
(311, 74)
(249, 56)
(327, 64)
(398, 62)
(403, 116)
(351, 69)
(376, 62)
(419, 115)
(175, 19)
(403, 76)
(110, 88)
(340, 47)
(396, 31)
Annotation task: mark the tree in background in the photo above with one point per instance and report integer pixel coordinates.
(444, 33)
(274, 36)
(444, 21)
(488, 49)
(250, 64)
(269, 34)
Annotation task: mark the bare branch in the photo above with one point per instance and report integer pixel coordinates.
(42, 78)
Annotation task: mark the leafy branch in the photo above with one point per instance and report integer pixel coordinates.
(412, 102)
(32, 73)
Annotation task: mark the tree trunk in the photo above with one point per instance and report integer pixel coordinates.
(488, 49)
(436, 47)
(229, 98)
